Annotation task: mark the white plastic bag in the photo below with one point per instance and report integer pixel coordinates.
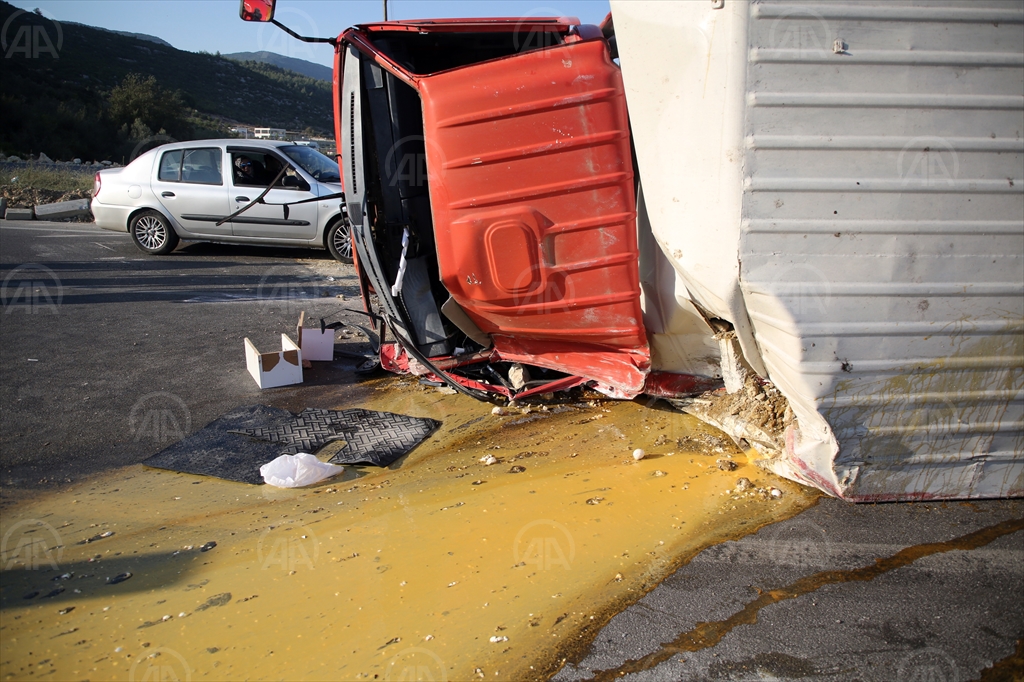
(297, 471)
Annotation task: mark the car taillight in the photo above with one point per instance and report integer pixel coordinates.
(96, 186)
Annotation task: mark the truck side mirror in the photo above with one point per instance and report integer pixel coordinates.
(256, 10)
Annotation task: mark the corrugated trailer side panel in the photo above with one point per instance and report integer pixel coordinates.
(843, 183)
(882, 239)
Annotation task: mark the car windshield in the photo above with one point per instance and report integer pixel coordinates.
(322, 168)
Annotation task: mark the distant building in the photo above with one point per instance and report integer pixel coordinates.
(269, 133)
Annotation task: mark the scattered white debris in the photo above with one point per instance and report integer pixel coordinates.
(775, 492)
(497, 411)
(639, 454)
(166, 618)
(489, 459)
(428, 638)
(495, 639)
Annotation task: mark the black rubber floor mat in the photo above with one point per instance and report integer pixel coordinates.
(381, 437)
(377, 438)
(218, 450)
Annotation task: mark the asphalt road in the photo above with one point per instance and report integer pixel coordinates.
(96, 337)
(916, 592)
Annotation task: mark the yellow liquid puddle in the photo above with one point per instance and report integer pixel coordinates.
(443, 568)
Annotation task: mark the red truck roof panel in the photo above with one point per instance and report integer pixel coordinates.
(532, 197)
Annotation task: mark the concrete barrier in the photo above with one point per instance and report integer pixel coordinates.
(18, 214)
(63, 209)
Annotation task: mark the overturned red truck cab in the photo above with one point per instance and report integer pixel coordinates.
(494, 216)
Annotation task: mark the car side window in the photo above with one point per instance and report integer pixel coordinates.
(202, 166)
(170, 166)
(255, 169)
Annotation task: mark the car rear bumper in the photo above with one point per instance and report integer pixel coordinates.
(111, 217)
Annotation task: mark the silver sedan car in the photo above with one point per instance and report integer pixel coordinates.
(241, 191)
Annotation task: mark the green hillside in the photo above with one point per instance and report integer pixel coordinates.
(61, 106)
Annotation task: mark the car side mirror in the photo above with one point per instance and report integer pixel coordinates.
(256, 10)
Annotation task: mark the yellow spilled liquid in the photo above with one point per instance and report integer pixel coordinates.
(442, 567)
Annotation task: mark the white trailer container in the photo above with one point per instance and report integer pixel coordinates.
(843, 184)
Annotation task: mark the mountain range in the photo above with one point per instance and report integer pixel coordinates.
(301, 66)
(57, 104)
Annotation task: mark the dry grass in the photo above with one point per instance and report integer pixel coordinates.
(59, 179)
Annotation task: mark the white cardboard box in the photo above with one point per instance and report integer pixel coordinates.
(278, 368)
(315, 344)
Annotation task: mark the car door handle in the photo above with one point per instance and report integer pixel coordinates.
(240, 199)
(167, 194)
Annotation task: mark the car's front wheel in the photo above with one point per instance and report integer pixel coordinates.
(152, 234)
(339, 241)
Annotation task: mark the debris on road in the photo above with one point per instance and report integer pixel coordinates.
(62, 209)
(119, 578)
(275, 368)
(297, 471)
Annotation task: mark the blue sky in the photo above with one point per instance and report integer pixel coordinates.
(214, 26)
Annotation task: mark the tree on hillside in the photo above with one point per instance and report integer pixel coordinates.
(139, 104)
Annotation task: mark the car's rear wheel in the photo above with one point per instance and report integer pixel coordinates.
(152, 234)
(339, 241)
